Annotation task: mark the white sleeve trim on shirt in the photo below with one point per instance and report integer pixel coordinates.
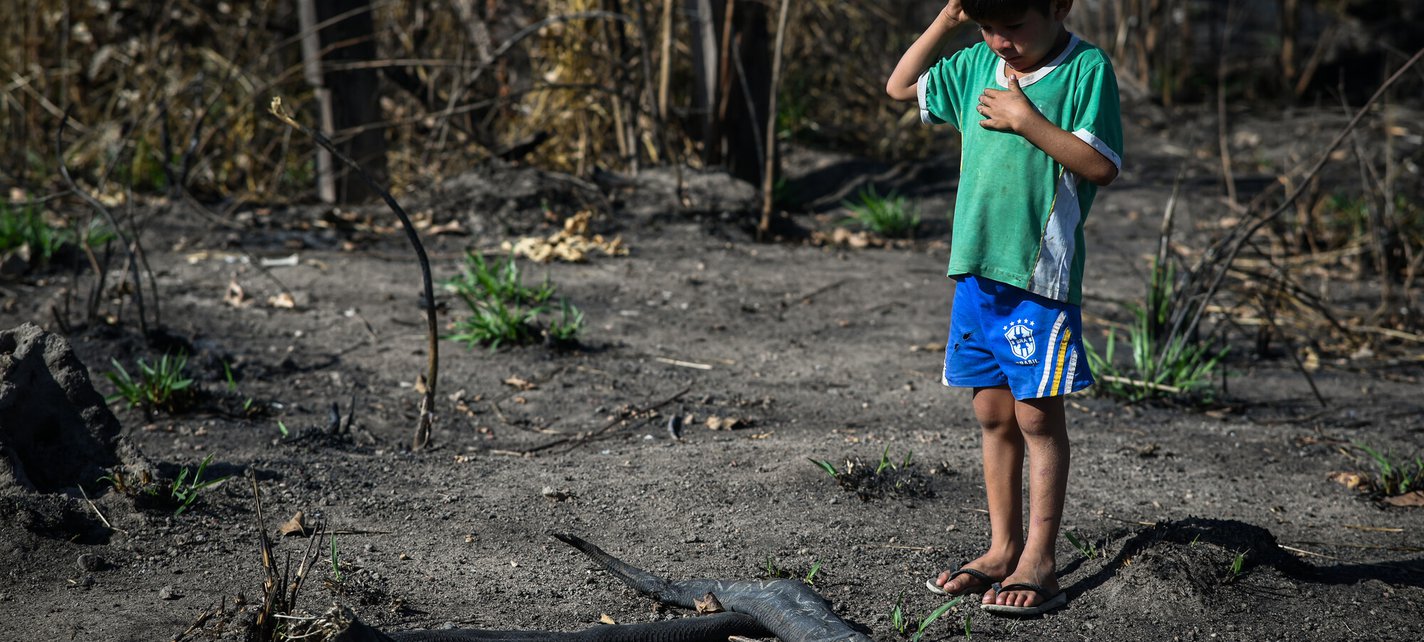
(1098, 144)
(920, 92)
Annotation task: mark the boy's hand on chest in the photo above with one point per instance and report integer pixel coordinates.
(1007, 110)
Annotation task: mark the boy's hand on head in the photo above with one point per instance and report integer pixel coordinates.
(1006, 110)
(954, 11)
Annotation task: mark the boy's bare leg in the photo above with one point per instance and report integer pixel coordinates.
(1003, 446)
(1045, 434)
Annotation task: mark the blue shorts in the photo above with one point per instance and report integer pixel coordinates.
(1002, 335)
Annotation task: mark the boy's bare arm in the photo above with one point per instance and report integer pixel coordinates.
(923, 53)
(1008, 110)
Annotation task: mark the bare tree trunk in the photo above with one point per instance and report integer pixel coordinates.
(355, 97)
(704, 64)
(311, 71)
(732, 103)
(665, 60)
(1290, 29)
(769, 173)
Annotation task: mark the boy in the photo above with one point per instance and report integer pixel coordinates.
(1038, 112)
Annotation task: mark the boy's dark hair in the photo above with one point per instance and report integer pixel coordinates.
(1003, 9)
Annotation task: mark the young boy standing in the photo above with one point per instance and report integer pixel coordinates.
(1038, 112)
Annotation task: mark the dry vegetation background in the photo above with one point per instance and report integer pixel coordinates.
(168, 98)
(186, 82)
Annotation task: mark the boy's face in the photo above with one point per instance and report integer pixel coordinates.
(1025, 42)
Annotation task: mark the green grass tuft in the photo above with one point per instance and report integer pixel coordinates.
(161, 386)
(1394, 477)
(890, 216)
(1161, 365)
(185, 491)
(503, 310)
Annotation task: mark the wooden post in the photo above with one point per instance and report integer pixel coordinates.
(354, 93)
(311, 71)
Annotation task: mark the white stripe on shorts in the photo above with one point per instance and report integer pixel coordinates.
(1072, 368)
(1051, 357)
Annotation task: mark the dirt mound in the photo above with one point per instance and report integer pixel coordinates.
(55, 431)
(1185, 568)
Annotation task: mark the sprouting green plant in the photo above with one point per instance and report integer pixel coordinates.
(335, 560)
(884, 461)
(810, 578)
(1394, 478)
(826, 466)
(247, 402)
(567, 328)
(901, 621)
(227, 374)
(897, 616)
(1238, 565)
(1088, 549)
(1161, 363)
(890, 216)
(282, 428)
(967, 632)
(185, 491)
(772, 569)
(162, 385)
(934, 615)
(505, 310)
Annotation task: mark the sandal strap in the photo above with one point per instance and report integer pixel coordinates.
(1023, 586)
(974, 573)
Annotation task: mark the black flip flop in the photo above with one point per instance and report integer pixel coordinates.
(983, 578)
(1050, 601)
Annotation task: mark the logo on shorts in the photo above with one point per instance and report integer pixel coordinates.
(1020, 337)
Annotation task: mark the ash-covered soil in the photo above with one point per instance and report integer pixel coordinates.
(816, 352)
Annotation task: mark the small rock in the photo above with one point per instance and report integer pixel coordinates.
(168, 593)
(89, 562)
(556, 495)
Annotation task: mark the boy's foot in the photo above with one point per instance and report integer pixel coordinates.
(1026, 588)
(974, 577)
(1048, 600)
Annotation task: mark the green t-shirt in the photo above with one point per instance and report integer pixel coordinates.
(1018, 217)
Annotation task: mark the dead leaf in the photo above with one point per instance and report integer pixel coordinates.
(1310, 361)
(297, 525)
(283, 300)
(570, 244)
(1352, 481)
(708, 604)
(726, 423)
(1412, 499)
(520, 383)
(235, 296)
(607, 619)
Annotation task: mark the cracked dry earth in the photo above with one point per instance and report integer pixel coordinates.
(794, 351)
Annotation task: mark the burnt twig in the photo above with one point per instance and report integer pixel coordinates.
(109, 217)
(427, 404)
